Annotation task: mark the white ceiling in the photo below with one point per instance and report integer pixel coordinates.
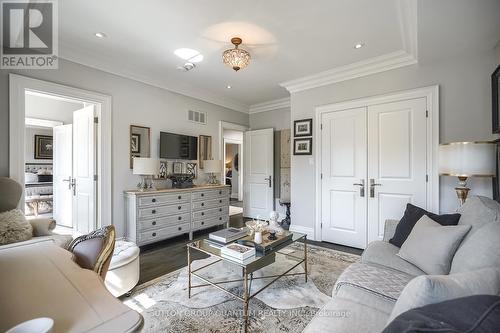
(287, 39)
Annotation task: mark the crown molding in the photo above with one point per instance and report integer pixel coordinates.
(407, 13)
(270, 105)
(73, 54)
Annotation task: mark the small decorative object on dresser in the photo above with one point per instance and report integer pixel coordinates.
(302, 127)
(163, 170)
(44, 147)
(213, 167)
(495, 94)
(146, 168)
(191, 169)
(177, 167)
(302, 146)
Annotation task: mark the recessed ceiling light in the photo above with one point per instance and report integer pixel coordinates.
(100, 35)
(359, 45)
(189, 54)
(228, 87)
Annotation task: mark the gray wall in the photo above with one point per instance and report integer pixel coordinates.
(133, 103)
(465, 114)
(278, 119)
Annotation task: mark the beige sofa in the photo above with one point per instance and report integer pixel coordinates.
(366, 293)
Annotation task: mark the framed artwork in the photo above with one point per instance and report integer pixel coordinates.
(302, 146)
(191, 169)
(178, 166)
(163, 170)
(302, 127)
(44, 147)
(204, 149)
(135, 143)
(495, 93)
(140, 142)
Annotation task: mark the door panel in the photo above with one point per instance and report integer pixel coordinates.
(343, 153)
(83, 170)
(397, 143)
(259, 173)
(63, 154)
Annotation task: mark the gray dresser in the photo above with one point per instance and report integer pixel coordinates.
(152, 216)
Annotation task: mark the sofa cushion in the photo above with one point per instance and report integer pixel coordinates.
(411, 216)
(478, 211)
(431, 246)
(385, 254)
(59, 240)
(378, 280)
(429, 289)
(342, 315)
(361, 296)
(42, 226)
(14, 227)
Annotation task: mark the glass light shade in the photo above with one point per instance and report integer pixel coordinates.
(467, 159)
(236, 58)
(212, 166)
(146, 166)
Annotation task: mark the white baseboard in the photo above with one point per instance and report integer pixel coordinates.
(303, 230)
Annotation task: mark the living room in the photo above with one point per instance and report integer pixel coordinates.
(310, 126)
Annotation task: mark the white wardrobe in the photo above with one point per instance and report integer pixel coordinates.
(374, 159)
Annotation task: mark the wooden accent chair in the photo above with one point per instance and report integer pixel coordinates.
(94, 250)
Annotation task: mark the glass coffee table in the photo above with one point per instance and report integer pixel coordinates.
(248, 268)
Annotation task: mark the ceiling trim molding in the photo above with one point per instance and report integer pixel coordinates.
(407, 12)
(71, 54)
(270, 105)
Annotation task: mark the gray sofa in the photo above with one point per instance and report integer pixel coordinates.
(368, 291)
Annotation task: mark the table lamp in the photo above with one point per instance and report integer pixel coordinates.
(146, 167)
(467, 159)
(212, 167)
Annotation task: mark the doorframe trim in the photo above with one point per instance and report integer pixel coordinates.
(18, 85)
(431, 93)
(230, 126)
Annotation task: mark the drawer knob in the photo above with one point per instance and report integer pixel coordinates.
(220, 218)
(220, 192)
(179, 218)
(202, 213)
(203, 194)
(220, 209)
(202, 204)
(220, 201)
(153, 223)
(179, 207)
(179, 197)
(154, 234)
(202, 223)
(153, 211)
(180, 228)
(153, 200)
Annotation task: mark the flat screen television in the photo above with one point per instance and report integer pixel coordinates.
(178, 147)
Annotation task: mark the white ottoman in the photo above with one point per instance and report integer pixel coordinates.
(123, 272)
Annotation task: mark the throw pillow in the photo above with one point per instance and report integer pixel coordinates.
(430, 289)
(411, 216)
(14, 227)
(42, 227)
(431, 246)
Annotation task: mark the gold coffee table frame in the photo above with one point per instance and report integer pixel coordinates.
(248, 268)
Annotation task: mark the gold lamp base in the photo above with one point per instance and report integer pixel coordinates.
(462, 190)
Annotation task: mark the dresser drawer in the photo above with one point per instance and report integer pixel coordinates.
(208, 213)
(206, 204)
(196, 225)
(210, 194)
(161, 222)
(162, 233)
(161, 199)
(164, 210)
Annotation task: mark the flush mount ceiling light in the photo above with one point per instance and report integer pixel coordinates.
(100, 35)
(228, 87)
(236, 58)
(359, 45)
(189, 54)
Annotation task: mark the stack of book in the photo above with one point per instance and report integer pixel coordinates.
(228, 235)
(237, 252)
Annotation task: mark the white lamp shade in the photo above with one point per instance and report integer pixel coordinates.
(213, 166)
(146, 166)
(467, 159)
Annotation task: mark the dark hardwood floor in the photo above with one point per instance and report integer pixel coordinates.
(170, 255)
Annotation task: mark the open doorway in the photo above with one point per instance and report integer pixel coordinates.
(60, 150)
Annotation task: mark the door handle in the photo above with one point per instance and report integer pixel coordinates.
(361, 187)
(372, 187)
(69, 182)
(269, 180)
(73, 185)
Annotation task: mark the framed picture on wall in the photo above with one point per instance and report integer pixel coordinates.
(302, 146)
(135, 143)
(178, 167)
(495, 93)
(302, 127)
(44, 147)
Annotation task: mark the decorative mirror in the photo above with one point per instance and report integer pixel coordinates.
(140, 142)
(205, 149)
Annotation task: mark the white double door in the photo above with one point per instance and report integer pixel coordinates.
(373, 162)
(74, 169)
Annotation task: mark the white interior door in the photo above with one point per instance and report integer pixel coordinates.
(84, 208)
(397, 161)
(62, 175)
(343, 158)
(258, 173)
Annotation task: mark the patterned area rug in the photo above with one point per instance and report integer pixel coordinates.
(286, 306)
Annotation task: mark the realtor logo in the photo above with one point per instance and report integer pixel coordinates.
(29, 34)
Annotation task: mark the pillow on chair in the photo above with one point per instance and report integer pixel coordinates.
(14, 227)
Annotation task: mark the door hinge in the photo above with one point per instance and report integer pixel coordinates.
(426, 178)
(95, 178)
(96, 120)
(321, 176)
(426, 113)
(321, 126)
(321, 225)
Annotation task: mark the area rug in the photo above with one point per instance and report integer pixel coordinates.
(286, 306)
